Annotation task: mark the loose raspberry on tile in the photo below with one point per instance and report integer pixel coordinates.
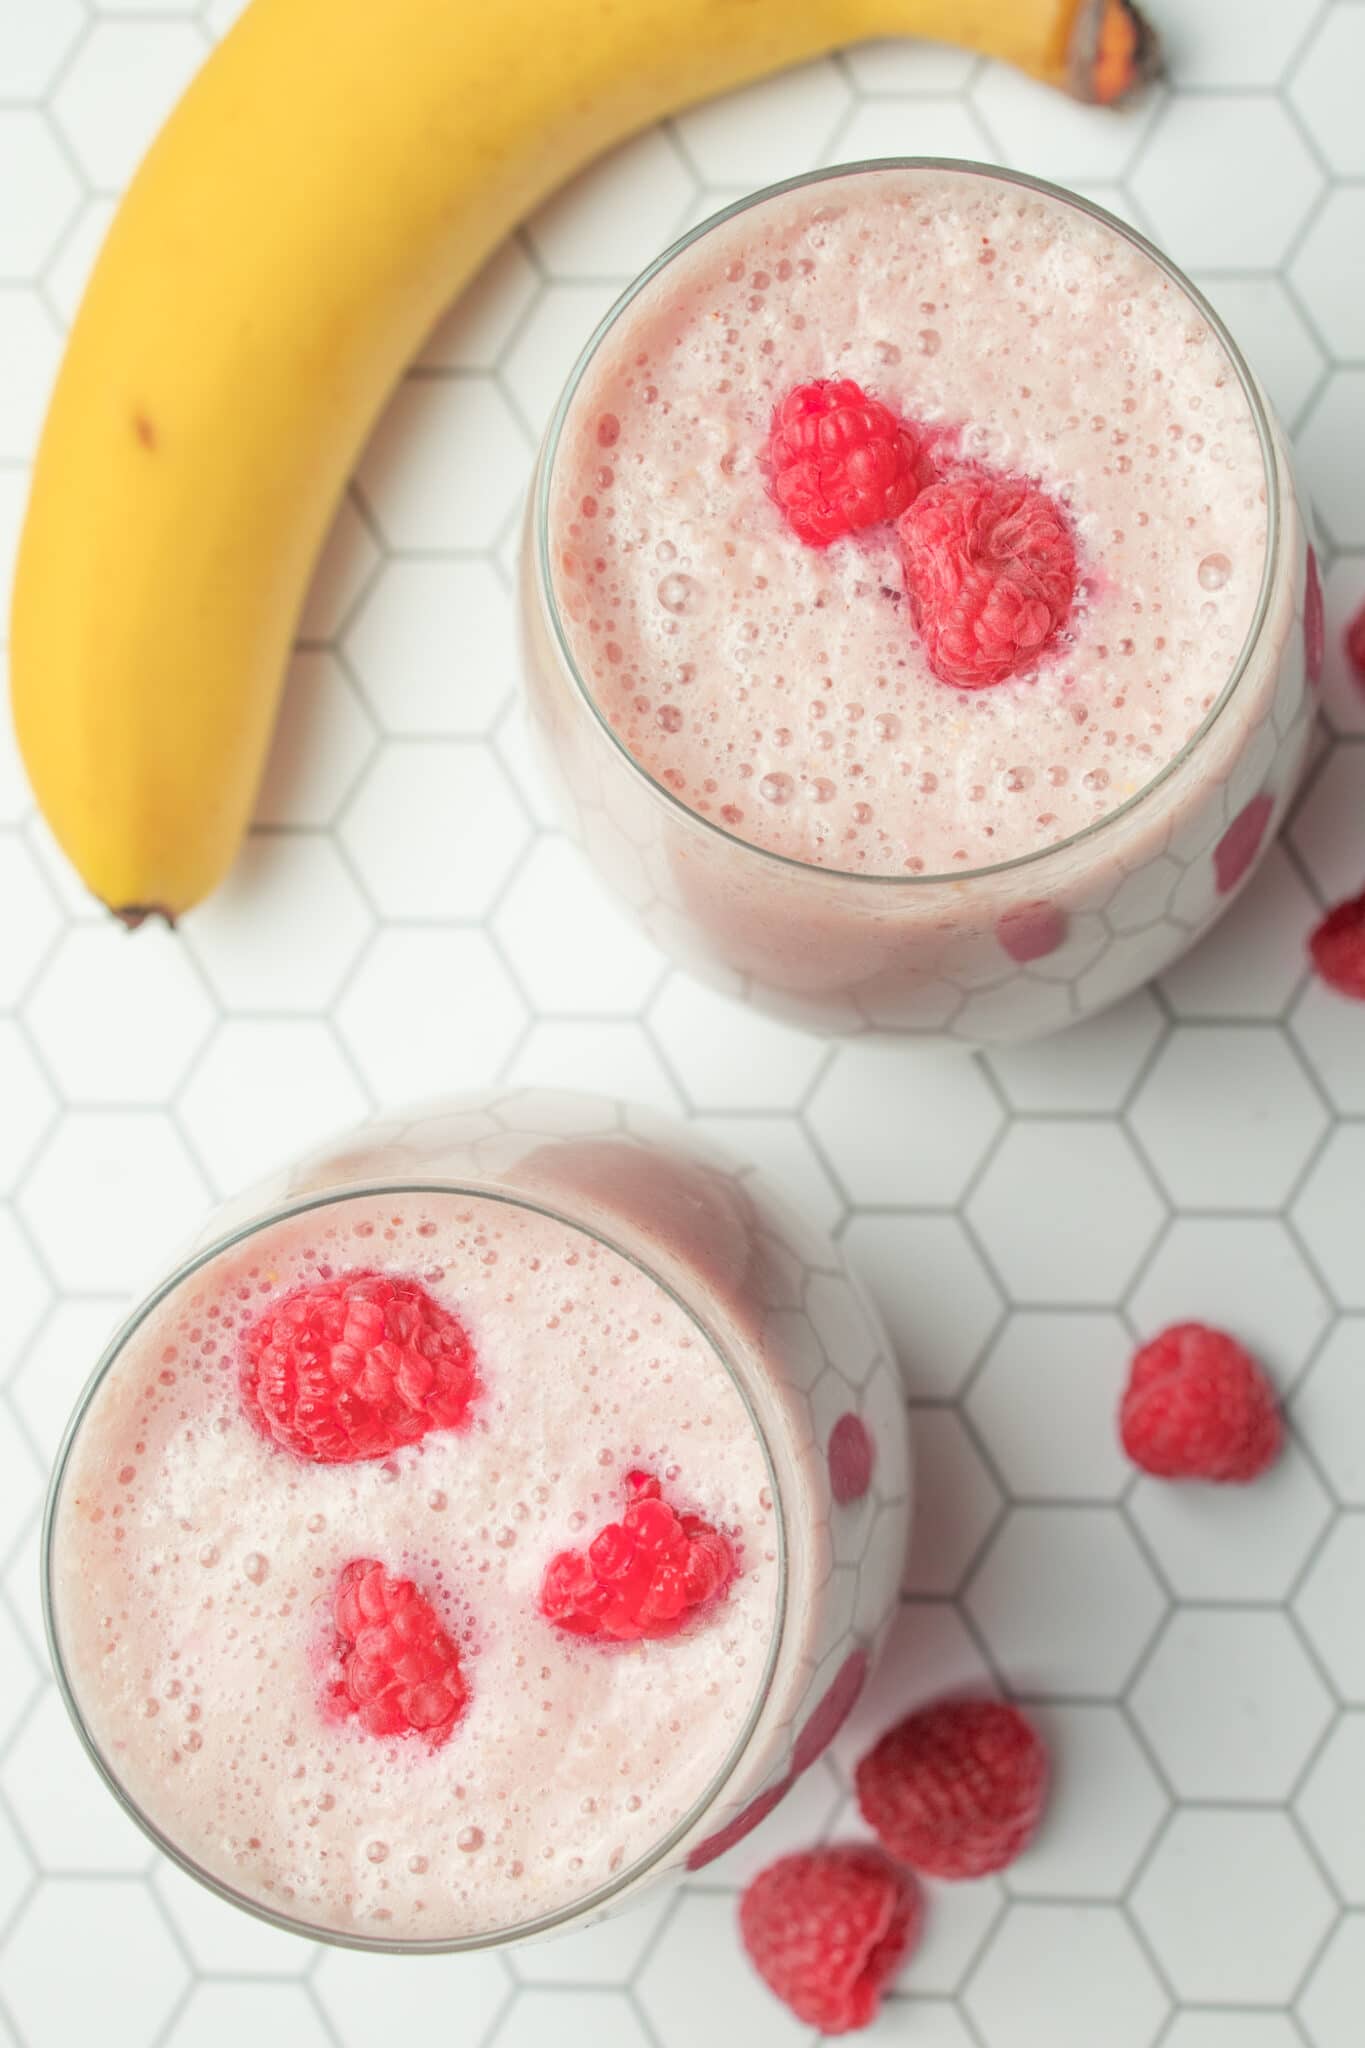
(990, 572)
(1337, 948)
(400, 1670)
(355, 1366)
(642, 1577)
(838, 460)
(1197, 1406)
(827, 1931)
(957, 1789)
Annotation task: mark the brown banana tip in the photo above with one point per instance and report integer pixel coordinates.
(1115, 51)
(131, 915)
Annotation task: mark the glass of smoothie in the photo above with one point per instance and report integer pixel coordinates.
(917, 605)
(496, 1511)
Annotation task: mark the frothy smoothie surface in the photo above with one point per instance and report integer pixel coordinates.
(782, 690)
(197, 1563)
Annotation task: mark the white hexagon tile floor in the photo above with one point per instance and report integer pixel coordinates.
(1197, 1662)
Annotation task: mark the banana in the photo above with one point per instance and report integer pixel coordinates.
(335, 173)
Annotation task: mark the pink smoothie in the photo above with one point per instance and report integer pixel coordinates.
(195, 1564)
(780, 690)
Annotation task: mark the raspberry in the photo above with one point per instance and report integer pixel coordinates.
(1314, 621)
(990, 571)
(643, 1576)
(1030, 931)
(1197, 1406)
(1355, 644)
(834, 1709)
(1241, 843)
(957, 1789)
(838, 460)
(400, 1671)
(1338, 948)
(354, 1366)
(827, 1930)
(852, 1455)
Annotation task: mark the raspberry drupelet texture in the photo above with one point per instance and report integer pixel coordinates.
(990, 571)
(354, 1366)
(1197, 1406)
(643, 1576)
(957, 1789)
(838, 460)
(1338, 948)
(400, 1670)
(827, 1931)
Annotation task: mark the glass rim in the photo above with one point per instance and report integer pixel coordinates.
(540, 505)
(591, 1903)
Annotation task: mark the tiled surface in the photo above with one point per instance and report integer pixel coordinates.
(1198, 1662)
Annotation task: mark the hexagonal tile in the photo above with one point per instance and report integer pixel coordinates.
(606, 1953)
(903, 65)
(65, 1809)
(1066, 1601)
(112, 1192)
(434, 829)
(1272, 334)
(32, 919)
(21, 1681)
(1329, 1806)
(1104, 1805)
(1343, 693)
(611, 1058)
(20, 1481)
(224, 2015)
(938, 1299)
(1219, 43)
(572, 949)
(31, 163)
(1227, 181)
(586, 2020)
(1332, 2004)
(1227, 1117)
(1323, 89)
(27, 1104)
(21, 1586)
(1327, 1212)
(1053, 1188)
(434, 645)
(33, 42)
(1234, 1542)
(1232, 2030)
(1244, 1274)
(614, 218)
(70, 269)
(131, 1975)
(1329, 271)
(286, 927)
(548, 344)
(782, 1151)
(264, 1090)
(1326, 1029)
(1046, 1402)
(956, 1501)
(802, 1817)
(152, 1010)
(911, 126)
(929, 1652)
(1331, 447)
(1324, 831)
(682, 2001)
(13, 498)
(1059, 139)
(766, 131)
(1090, 1067)
(321, 742)
(1081, 1965)
(903, 1125)
(373, 2002)
(1329, 1410)
(1233, 1906)
(1231, 1704)
(60, 1360)
(220, 1938)
(16, 1871)
(123, 83)
(728, 1056)
(25, 1291)
(1252, 961)
(341, 572)
(445, 464)
(16, 799)
(429, 1010)
(1328, 1605)
(475, 329)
